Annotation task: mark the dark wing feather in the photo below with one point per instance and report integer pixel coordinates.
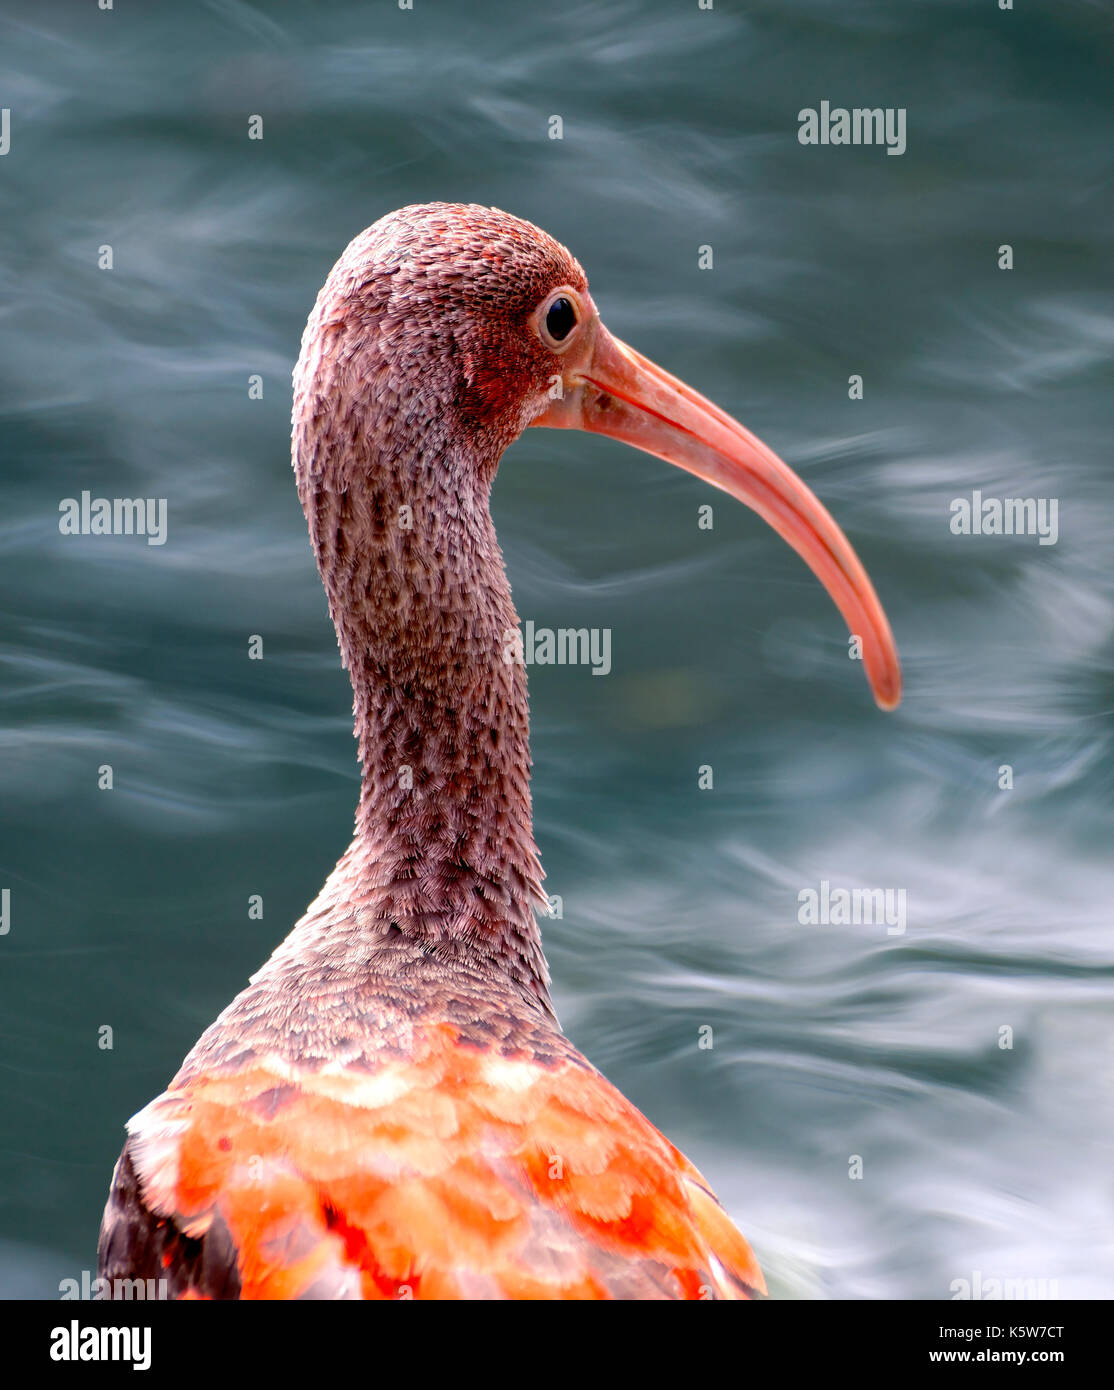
(136, 1244)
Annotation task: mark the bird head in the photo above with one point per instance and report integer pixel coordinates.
(477, 324)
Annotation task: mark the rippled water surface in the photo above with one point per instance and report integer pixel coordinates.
(128, 908)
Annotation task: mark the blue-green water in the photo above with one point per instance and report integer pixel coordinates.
(128, 908)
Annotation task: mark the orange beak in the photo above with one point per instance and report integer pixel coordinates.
(623, 394)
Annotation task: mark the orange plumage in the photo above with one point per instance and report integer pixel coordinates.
(451, 1173)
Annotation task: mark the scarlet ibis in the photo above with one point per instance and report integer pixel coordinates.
(390, 1109)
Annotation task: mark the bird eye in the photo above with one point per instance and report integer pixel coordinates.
(560, 319)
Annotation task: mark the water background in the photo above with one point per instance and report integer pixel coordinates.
(233, 777)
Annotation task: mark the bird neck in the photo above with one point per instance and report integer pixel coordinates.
(444, 852)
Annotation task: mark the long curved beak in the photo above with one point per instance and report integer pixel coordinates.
(623, 394)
